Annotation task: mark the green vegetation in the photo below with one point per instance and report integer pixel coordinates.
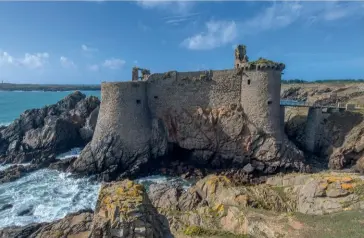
(199, 231)
(47, 87)
(263, 61)
(203, 76)
(293, 81)
(337, 225)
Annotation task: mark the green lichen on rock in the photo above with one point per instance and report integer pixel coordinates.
(199, 231)
(203, 76)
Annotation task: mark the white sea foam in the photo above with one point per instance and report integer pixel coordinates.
(5, 123)
(48, 195)
(74, 152)
(5, 166)
(146, 181)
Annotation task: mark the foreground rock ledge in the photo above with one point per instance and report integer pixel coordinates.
(294, 205)
(124, 210)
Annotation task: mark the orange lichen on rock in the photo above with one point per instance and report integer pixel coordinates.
(333, 179)
(347, 186)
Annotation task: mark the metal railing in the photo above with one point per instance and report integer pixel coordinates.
(294, 103)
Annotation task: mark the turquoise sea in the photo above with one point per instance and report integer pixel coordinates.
(12, 104)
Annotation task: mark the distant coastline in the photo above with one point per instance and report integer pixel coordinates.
(47, 87)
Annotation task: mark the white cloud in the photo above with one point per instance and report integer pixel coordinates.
(174, 7)
(31, 61)
(34, 61)
(135, 62)
(283, 14)
(88, 49)
(279, 15)
(276, 16)
(179, 19)
(336, 11)
(5, 58)
(217, 33)
(113, 63)
(94, 67)
(67, 63)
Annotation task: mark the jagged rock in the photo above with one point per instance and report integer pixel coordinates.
(76, 225)
(20, 231)
(88, 130)
(248, 168)
(351, 150)
(26, 212)
(5, 207)
(62, 165)
(16, 171)
(123, 209)
(238, 143)
(164, 196)
(360, 165)
(106, 157)
(48, 131)
(167, 197)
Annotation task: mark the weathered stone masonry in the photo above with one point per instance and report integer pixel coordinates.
(222, 117)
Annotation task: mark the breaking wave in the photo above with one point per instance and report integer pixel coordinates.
(47, 195)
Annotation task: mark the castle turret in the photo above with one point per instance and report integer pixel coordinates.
(260, 95)
(240, 56)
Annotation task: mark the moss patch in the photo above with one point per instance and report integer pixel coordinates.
(264, 61)
(202, 232)
(337, 225)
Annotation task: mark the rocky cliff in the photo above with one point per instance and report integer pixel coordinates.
(54, 129)
(341, 140)
(217, 138)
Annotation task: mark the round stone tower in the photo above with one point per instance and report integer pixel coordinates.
(124, 113)
(260, 95)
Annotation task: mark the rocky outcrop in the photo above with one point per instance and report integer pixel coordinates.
(123, 209)
(339, 141)
(360, 165)
(351, 150)
(76, 225)
(16, 171)
(216, 207)
(215, 139)
(50, 130)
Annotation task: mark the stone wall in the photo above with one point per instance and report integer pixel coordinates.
(188, 90)
(313, 129)
(124, 112)
(260, 98)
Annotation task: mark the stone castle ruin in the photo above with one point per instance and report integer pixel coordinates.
(217, 119)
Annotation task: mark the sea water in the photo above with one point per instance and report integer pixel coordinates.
(13, 103)
(47, 195)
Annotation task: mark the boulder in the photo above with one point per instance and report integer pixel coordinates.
(76, 225)
(16, 171)
(123, 209)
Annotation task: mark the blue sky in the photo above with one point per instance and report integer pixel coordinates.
(91, 42)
